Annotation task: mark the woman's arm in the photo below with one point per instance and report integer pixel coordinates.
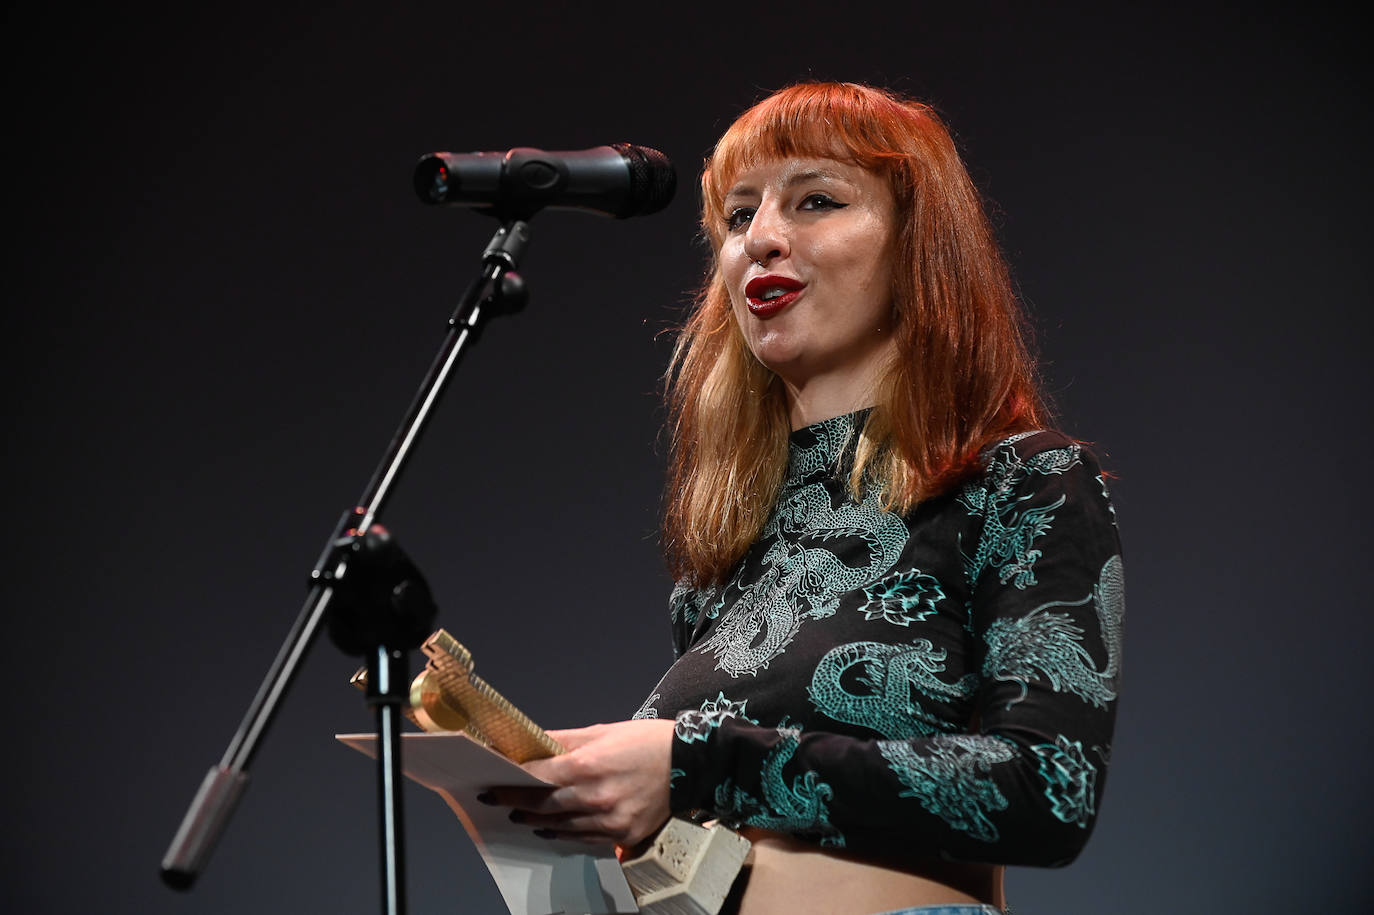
(1021, 786)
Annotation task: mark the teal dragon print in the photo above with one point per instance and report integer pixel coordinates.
(951, 779)
(887, 675)
(1052, 644)
(1010, 531)
(801, 808)
(802, 577)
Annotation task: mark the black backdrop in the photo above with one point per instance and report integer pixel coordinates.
(223, 293)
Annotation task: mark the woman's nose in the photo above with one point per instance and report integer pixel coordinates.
(766, 239)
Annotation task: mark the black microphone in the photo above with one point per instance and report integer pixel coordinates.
(619, 180)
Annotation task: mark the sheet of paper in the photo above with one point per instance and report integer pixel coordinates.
(536, 876)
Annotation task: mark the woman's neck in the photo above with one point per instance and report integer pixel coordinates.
(818, 397)
(815, 404)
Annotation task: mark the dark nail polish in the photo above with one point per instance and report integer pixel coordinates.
(486, 797)
(546, 833)
(517, 816)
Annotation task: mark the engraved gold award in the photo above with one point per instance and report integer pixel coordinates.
(686, 870)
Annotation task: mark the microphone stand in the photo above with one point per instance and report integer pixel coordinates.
(498, 289)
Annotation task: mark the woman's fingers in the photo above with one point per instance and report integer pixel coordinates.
(609, 826)
(612, 783)
(551, 770)
(565, 822)
(572, 738)
(521, 798)
(561, 812)
(567, 813)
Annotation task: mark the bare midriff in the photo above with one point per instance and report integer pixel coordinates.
(788, 875)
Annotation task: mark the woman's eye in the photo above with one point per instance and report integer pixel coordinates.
(821, 202)
(739, 217)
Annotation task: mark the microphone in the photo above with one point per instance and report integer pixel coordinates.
(619, 180)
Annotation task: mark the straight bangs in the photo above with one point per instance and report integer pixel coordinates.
(840, 121)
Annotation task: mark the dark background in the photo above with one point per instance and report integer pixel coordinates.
(223, 294)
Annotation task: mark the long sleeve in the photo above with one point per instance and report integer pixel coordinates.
(961, 702)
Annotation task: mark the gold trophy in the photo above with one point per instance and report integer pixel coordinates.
(685, 870)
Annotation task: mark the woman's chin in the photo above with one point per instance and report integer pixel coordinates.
(781, 355)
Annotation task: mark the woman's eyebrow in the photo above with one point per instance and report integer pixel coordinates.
(741, 190)
(802, 177)
(812, 174)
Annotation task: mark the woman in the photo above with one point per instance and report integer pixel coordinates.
(899, 602)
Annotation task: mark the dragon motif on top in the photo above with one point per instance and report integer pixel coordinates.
(951, 777)
(888, 675)
(1009, 530)
(1052, 644)
(800, 808)
(802, 575)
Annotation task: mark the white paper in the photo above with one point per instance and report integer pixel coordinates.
(536, 876)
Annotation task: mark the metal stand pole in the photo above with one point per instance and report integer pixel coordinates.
(497, 289)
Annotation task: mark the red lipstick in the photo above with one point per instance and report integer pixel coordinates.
(761, 294)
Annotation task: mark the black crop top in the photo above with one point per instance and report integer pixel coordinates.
(943, 683)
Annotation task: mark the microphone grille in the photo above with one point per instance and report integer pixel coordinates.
(653, 180)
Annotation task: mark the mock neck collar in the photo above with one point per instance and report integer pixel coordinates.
(824, 445)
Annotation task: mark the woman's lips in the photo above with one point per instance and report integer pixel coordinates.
(759, 286)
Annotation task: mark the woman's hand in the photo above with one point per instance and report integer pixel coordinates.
(613, 784)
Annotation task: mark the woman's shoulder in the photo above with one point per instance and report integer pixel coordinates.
(1034, 455)
(1046, 448)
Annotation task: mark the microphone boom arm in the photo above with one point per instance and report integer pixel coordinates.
(498, 289)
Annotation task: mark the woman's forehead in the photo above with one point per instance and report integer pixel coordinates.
(785, 171)
(738, 153)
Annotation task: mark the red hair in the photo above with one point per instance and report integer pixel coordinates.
(963, 377)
